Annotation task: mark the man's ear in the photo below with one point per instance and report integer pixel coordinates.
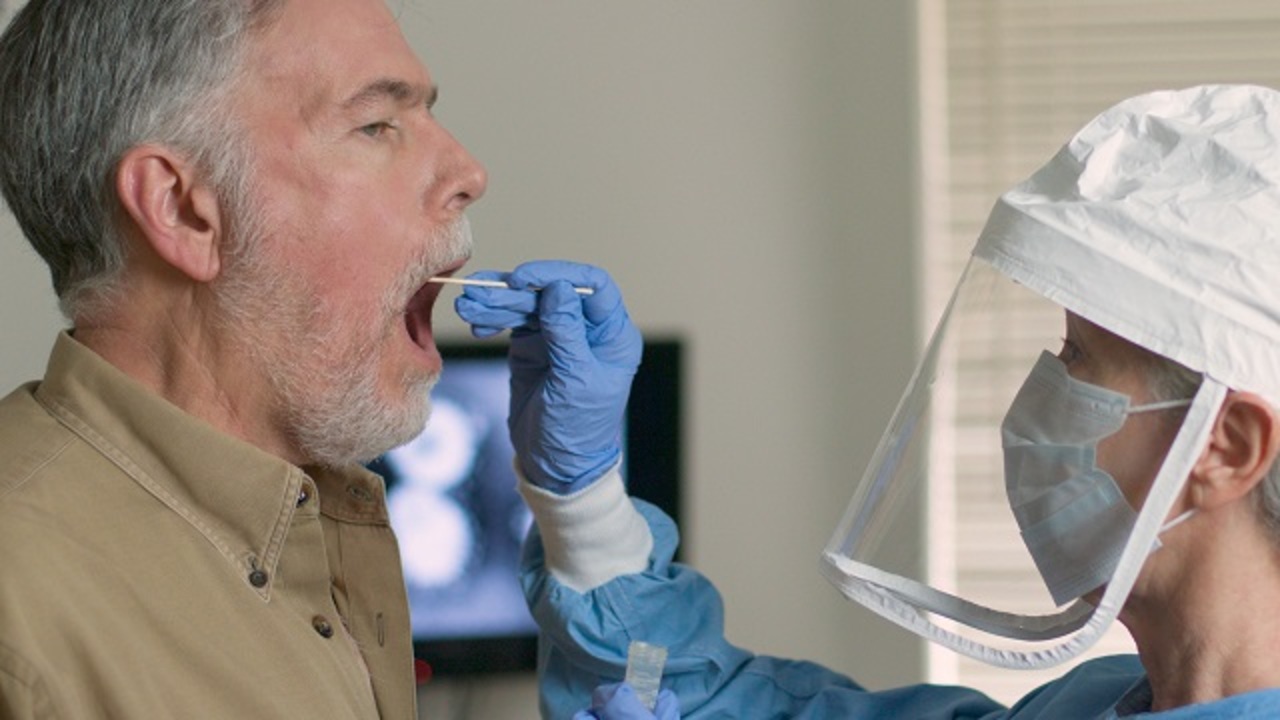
(1242, 446)
(175, 212)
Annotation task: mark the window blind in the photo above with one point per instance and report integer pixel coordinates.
(1004, 83)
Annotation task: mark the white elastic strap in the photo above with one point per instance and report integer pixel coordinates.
(591, 536)
(1162, 405)
(1185, 516)
(1164, 493)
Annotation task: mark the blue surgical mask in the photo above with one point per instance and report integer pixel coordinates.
(1073, 517)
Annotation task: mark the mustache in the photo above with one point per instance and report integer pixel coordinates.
(448, 245)
(455, 245)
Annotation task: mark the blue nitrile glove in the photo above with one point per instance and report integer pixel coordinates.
(619, 702)
(572, 360)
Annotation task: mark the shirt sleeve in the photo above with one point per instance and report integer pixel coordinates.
(586, 627)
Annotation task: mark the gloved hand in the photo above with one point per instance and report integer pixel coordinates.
(572, 360)
(619, 702)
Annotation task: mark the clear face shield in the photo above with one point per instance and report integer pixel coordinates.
(1079, 450)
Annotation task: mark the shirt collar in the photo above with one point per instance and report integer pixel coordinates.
(1137, 699)
(241, 498)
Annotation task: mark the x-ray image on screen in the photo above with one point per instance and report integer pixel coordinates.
(451, 494)
(452, 500)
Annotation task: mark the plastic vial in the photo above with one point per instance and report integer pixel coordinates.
(644, 670)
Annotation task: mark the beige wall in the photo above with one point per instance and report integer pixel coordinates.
(746, 172)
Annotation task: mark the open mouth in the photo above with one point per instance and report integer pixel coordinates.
(417, 315)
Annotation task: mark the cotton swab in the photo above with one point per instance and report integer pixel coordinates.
(440, 279)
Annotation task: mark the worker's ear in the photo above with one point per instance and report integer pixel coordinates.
(1242, 446)
(174, 211)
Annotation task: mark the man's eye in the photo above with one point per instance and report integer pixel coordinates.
(377, 129)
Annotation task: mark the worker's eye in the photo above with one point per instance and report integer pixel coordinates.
(1069, 353)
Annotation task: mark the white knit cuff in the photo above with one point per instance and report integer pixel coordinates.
(591, 536)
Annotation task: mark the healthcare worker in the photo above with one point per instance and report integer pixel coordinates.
(1135, 279)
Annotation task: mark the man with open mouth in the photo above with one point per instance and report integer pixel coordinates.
(240, 203)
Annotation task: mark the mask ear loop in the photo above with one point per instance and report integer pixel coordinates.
(1168, 485)
(1172, 477)
(1162, 405)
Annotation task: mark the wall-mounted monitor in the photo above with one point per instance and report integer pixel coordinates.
(460, 523)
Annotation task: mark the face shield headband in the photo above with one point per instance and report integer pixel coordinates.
(909, 602)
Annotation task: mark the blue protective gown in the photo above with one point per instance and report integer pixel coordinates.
(584, 639)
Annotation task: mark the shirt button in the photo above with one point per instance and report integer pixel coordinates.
(322, 626)
(304, 495)
(257, 578)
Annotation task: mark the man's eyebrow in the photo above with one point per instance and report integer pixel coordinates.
(396, 91)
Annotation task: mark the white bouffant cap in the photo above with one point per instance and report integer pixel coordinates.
(1160, 221)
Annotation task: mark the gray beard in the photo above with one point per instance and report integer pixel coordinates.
(348, 422)
(322, 371)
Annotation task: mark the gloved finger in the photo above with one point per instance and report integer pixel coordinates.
(667, 707)
(540, 273)
(563, 327)
(498, 297)
(585, 715)
(604, 309)
(484, 332)
(488, 275)
(528, 352)
(618, 702)
(600, 304)
(616, 339)
(484, 314)
(517, 299)
(603, 694)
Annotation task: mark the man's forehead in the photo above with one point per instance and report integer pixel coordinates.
(340, 53)
(395, 90)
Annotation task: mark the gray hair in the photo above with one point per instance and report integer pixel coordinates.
(1169, 380)
(82, 82)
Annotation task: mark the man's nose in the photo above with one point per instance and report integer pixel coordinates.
(467, 177)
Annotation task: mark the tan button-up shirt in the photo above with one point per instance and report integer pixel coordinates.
(153, 567)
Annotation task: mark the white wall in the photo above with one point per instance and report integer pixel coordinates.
(29, 315)
(746, 172)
